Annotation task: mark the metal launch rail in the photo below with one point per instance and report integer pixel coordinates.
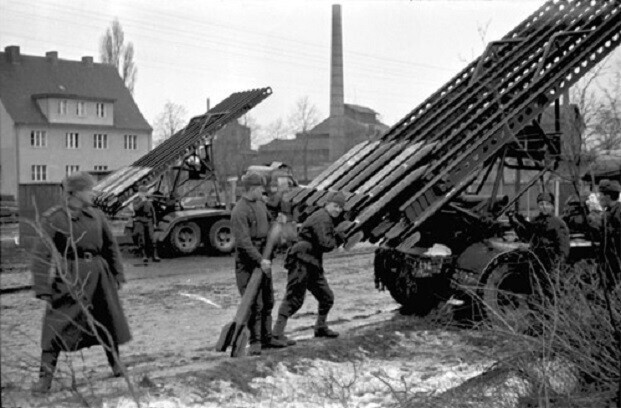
(428, 158)
(116, 190)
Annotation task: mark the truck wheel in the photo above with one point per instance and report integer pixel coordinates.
(221, 237)
(509, 296)
(185, 237)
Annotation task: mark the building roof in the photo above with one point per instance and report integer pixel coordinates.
(361, 109)
(351, 125)
(33, 77)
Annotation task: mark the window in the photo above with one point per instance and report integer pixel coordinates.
(131, 142)
(100, 141)
(71, 168)
(101, 110)
(101, 167)
(62, 107)
(38, 172)
(80, 109)
(38, 138)
(72, 140)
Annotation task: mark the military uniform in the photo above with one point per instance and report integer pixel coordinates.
(610, 233)
(250, 224)
(304, 263)
(548, 236)
(89, 278)
(610, 251)
(144, 225)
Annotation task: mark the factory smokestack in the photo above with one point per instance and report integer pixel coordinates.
(337, 92)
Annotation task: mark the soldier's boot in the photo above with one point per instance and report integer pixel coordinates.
(279, 331)
(155, 257)
(321, 328)
(267, 338)
(254, 349)
(254, 327)
(46, 372)
(114, 362)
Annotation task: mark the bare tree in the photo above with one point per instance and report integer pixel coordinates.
(172, 119)
(598, 97)
(277, 129)
(114, 51)
(482, 29)
(303, 118)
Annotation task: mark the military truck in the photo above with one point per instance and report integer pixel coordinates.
(417, 189)
(181, 167)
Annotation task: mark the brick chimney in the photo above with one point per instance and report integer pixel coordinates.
(12, 54)
(88, 61)
(52, 57)
(337, 92)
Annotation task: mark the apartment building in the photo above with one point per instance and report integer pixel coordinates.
(60, 116)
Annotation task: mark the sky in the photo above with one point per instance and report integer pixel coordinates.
(396, 53)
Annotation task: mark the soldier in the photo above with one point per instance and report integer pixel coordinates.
(86, 274)
(250, 223)
(610, 231)
(547, 234)
(304, 263)
(144, 225)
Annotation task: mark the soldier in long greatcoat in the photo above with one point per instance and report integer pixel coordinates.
(77, 270)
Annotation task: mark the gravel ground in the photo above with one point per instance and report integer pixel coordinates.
(381, 358)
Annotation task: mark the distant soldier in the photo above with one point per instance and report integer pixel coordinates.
(86, 274)
(144, 225)
(610, 231)
(304, 263)
(250, 224)
(548, 235)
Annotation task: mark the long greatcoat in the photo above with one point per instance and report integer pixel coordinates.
(88, 278)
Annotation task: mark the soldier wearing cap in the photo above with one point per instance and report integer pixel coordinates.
(548, 235)
(77, 267)
(144, 225)
(250, 224)
(610, 231)
(304, 263)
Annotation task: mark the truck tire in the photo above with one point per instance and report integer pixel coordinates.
(185, 237)
(511, 293)
(221, 237)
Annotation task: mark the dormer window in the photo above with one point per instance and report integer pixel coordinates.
(81, 111)
(62, 107)
(101, 110)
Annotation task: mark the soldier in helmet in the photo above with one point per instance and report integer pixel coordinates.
(304, 262)
(250, 224)
(144, 225)
(610, 231)
(547, 234)
(86, 273)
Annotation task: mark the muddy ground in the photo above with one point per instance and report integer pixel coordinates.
(382, 358)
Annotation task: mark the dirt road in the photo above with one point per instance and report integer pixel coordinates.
(382, 358)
